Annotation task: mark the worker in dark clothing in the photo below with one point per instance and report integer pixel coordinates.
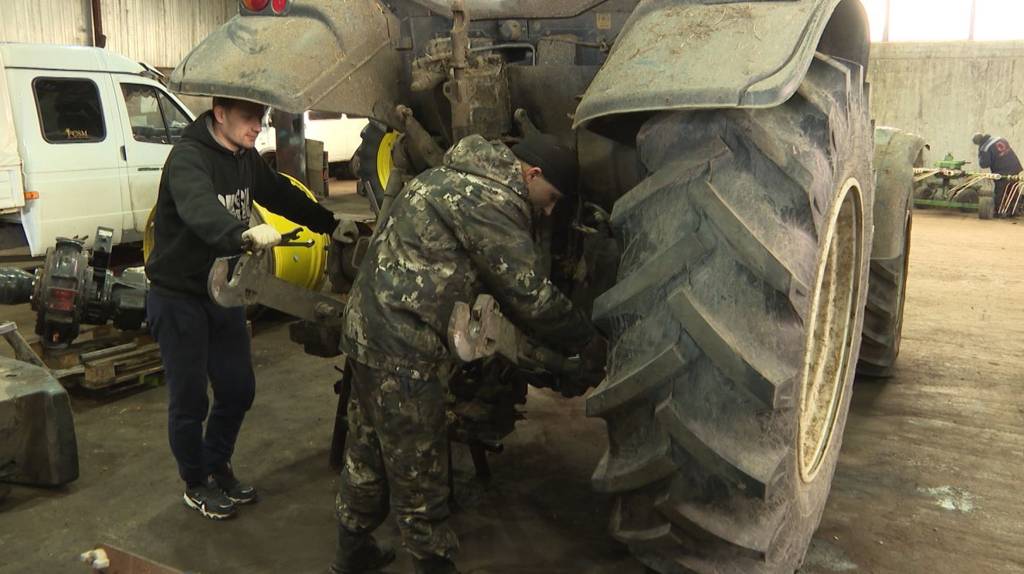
(996, 154)
(209, 182)
(454, 232)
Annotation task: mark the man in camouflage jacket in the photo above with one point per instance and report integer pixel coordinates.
(454, 232)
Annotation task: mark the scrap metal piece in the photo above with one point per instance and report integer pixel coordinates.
(37, 431)
(113, 560)
(250, 284)
(482, 331)
(15, 286)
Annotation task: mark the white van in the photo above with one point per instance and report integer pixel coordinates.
(84, 134)
(341, 136)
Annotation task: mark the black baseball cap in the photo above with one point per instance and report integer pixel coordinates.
(557, 161)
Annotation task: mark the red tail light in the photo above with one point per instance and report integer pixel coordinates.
(254, 5)
(61, 299)
(264, 7)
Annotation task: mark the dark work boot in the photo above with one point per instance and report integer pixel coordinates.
(435, 565)
(359, 553)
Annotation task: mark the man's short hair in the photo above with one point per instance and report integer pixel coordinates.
(979, 138)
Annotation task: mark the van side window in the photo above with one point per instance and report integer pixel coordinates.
(176, 119)
(69, 110)
(153, 116)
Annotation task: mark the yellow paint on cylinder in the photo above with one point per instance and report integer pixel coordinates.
(302, 266)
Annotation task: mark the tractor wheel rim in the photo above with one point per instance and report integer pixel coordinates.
(830, 336)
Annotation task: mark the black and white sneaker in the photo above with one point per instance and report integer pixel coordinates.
(210, 501)
(237, 491)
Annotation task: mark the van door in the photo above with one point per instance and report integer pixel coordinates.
(69, 141)
(153, 121)
(12, 196)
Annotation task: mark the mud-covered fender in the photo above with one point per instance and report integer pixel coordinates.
(703, 54)
(334, 56)
(897, 153)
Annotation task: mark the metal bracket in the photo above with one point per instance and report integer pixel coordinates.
(482, 331)
(250, 284)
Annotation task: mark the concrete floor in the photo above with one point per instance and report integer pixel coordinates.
(926, 482)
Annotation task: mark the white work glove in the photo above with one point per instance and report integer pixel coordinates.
(346, 232)
(261, 237)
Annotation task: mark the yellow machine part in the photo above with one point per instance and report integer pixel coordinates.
(302, 266)
(387, 143)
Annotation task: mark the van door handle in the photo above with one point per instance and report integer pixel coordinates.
(150, 168)
(124, 154)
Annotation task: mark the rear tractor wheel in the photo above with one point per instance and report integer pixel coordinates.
(735, 325)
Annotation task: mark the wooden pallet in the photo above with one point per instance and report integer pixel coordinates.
(104, 358)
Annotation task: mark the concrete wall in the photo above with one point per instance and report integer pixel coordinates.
(947, 91)
(158, 32)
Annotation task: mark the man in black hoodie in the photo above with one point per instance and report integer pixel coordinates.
(209, 182)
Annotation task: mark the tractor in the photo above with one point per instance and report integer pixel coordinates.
(729, 238)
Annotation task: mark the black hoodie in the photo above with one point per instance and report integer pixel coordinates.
(204, 203)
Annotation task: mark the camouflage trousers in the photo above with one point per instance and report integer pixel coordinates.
(396, 456)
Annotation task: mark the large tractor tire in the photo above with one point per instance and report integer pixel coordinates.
(372, 161)
(735, 325)
(897, 153)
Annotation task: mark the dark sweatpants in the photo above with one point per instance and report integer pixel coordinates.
(199, 339)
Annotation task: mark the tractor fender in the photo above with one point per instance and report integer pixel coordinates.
(708, 54)
(334, 56)
(897, 153)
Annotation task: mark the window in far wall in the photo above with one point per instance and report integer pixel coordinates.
(999, 20)
(945, 20)
(929, 20)
(876, 17)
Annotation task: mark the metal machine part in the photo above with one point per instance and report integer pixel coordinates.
(15, 286)
(481, 331)
(75, 286)
(241, 281)
(37, 430)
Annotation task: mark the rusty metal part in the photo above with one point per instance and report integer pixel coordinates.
(421, 145)
(491, 10)
(22, 350)
(249, 283)
(457, 89)
(524, 123)
(113, 560)
(481, 331)
(37, 431)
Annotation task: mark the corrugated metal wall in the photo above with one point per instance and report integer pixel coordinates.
(158, 32)
(162, 32)
(49, 21)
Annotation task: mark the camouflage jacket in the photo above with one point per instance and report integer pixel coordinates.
(454, 232)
